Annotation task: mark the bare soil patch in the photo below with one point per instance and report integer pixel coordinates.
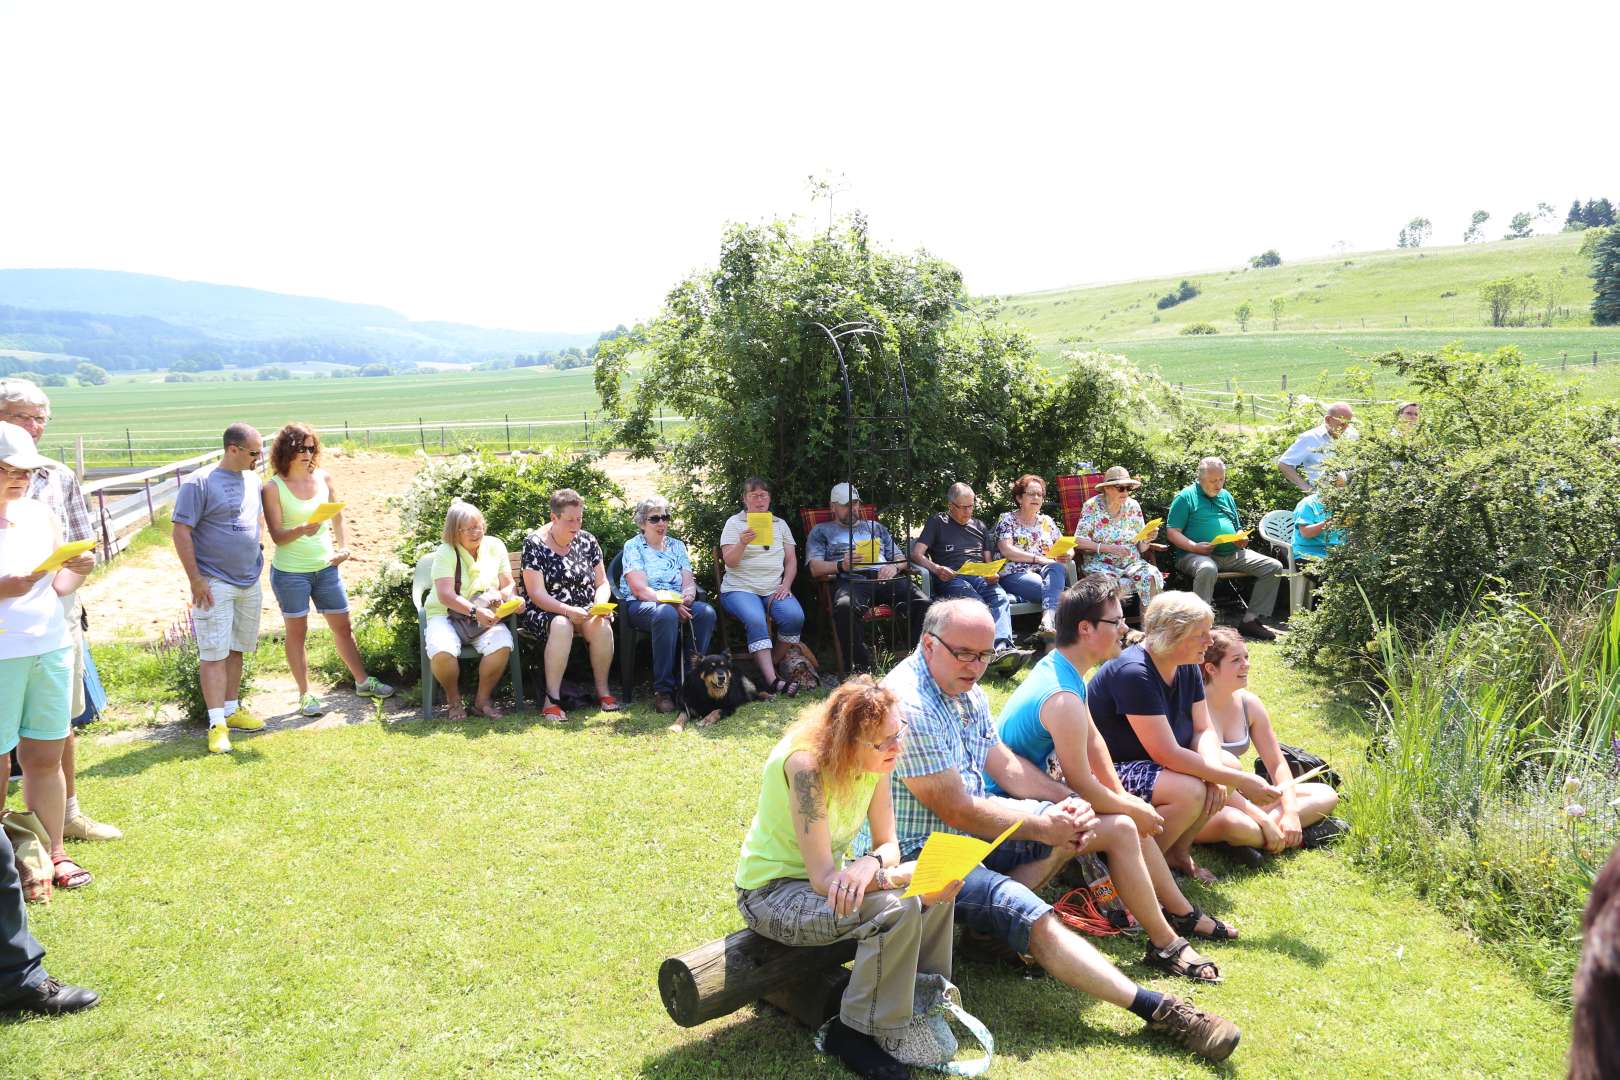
(144, 593)
(638, 478)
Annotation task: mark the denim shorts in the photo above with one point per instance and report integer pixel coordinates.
(295, 590)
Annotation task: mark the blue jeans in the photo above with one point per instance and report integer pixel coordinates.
(20, 953)
(1041, 585)
(993, 903)
(663, 623)
(749, 609)
(988, 592)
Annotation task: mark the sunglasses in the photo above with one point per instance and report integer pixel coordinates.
(249, 453)
(658, 519)
(891, 742)
(307, 448)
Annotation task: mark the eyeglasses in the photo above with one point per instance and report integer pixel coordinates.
(961, 506)
(32, 418)
(8, 472)
(1116, 622)
(657, 519)
(965, 656)
(891, 742)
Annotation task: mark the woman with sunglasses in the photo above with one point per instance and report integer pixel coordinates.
(36, 648)
(305, 569)
(827, 778)
(660, 595)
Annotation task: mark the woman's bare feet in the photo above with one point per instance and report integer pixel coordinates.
(1183, 864)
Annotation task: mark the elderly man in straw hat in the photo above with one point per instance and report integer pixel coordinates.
(1110, 537)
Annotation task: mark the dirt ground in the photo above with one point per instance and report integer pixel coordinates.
(144, 593)
(639, 479)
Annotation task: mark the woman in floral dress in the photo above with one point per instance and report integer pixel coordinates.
(1106, 535)
(563, 577)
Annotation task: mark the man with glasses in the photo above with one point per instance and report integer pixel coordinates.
(861, 555)
(949, 541)
(216, 535)
(24, 404)
(1301, 463)
(938, 785)
(1046, 723)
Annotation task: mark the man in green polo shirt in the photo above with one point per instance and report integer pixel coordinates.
(1203, 511)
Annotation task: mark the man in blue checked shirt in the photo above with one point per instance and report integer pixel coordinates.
(951, 745)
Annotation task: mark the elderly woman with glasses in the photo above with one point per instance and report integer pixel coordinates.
(1148, 704)
(660, 594)
(472, 576)
(1024, 537)
(1106, 536)
(564, 579)
(305, 567)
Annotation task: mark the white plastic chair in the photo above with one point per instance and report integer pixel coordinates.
(1278, 527)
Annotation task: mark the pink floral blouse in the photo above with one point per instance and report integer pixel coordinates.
(1098, 525)
(1036, 539)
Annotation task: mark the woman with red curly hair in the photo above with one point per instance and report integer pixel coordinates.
(827, 777)
(305, 567)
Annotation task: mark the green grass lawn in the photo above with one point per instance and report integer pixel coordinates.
(493, 899)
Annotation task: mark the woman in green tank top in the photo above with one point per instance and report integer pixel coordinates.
(305, 567)
(828, 776)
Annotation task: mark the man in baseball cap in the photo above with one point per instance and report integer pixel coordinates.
(865, 567)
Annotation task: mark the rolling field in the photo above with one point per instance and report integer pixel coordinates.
(1337, 312)
(167, 417)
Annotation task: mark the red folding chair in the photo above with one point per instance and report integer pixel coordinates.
(1073, 491)
(810, 518)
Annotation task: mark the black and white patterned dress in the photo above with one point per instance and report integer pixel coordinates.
(569, 577)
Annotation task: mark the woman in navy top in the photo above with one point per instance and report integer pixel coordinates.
(1148, 704)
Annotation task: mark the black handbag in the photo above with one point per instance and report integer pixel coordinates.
(1300, 762)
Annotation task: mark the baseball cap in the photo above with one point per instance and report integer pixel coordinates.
(843, 495)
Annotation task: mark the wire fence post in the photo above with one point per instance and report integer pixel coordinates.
(508, 433)
(421, 432)
(1285, 382)
(129, 444)
(345, 431)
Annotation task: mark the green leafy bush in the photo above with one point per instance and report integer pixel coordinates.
(1510, 479)
(515, 496)
(178, 668)
(739, 350)
(1198, 328)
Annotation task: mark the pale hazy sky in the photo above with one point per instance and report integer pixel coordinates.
(530, 166)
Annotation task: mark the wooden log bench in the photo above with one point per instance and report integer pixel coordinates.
(721, 977)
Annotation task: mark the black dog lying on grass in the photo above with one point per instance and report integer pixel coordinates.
(712, 690)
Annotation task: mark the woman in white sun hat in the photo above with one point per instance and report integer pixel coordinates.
(36, 649)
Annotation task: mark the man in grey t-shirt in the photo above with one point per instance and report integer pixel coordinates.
(216, 535)
(950, 541)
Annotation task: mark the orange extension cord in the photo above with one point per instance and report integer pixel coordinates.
(1080, 911)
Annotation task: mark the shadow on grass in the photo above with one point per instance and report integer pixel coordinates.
(152, 752)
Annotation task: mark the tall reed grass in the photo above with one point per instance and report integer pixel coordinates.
(1493, 780)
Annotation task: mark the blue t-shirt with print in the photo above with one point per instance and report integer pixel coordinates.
(222, 508)
(664, 569)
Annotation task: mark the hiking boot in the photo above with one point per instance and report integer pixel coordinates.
(219, 739)
(1205, 1034)
(1324, 832)
(861, 1053)
(242, 720)
(1009, 659)
(82, 826)
(52, 998)
(309, 705)
(374, 687)
(1252, 627)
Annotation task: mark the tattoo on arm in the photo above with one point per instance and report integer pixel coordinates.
(807, 785)
(880, 880)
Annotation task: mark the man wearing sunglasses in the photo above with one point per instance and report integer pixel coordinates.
(938, 785)
(1046, 722)
(217, 536)
(26, 405)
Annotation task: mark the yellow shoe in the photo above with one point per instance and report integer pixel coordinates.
(242, 720)
(219, 740)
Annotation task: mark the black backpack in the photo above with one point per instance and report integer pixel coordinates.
(1300, 762)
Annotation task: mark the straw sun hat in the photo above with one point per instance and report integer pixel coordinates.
(1119, 476)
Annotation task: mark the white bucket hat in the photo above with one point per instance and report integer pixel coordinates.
(17, 449)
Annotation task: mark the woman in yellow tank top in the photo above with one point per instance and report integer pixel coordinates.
(305, 567)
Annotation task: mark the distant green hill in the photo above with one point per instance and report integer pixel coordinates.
(1336, 312)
